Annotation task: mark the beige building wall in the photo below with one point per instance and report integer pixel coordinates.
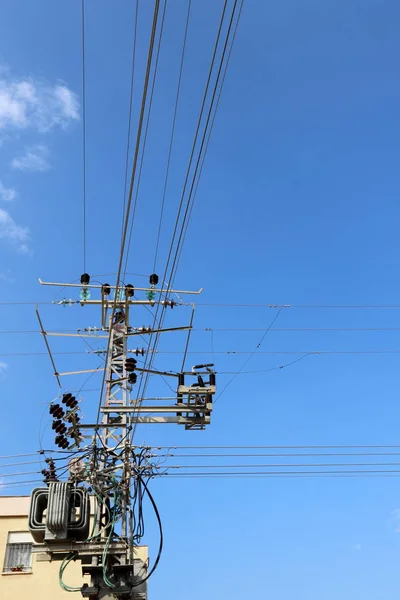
(41, 582)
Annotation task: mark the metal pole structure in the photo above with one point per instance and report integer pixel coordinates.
(113, 466)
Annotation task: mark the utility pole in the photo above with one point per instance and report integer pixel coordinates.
(110, 469)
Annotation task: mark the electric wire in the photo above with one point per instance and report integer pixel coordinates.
(211, 127)
(130, 110)
(246, 362)
(83, 130)
(172, 135)
(145, 134)
(144, 381)
(133, 178)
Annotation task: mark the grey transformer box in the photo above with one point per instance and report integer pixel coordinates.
(59, 512)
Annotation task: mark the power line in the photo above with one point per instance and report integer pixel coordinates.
(276, 454)
(212, 125)
(226, 329)
(283, 473)
(193, 179)
(251, 355)
(83, 132)
(276, 306)
(133, 177)
(150, 357)
(211, 329)
(172, 135)
(280, 447)
(145, 134)
(130, 109)
(280, 465)
(299, 475)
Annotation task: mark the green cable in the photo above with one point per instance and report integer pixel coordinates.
(64, 564)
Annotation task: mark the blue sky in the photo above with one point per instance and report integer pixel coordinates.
(298, 204)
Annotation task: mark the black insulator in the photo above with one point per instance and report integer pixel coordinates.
(45, 473)
(212, 378)
(55, 424)
(153, 279)
(60, 440)
(129, 290)
(130, 364)
(65, 398)
(106, 289)
(132, 378)
(56, 411)
(60, 428)
(85, 278)
(71, 402)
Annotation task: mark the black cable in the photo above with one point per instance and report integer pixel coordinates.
(145, 134)
(211, 129)
(251, 355)
(83, 132)
(144, 379)
(198, 162)
(130, 111)
(133, 174)
(202, 145)
(172, 136)
(160, 548)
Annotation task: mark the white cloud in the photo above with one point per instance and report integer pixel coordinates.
(13, 233)
(3, 368)
(29, 103)
(34, 159)
(7, 194)
(68, 101)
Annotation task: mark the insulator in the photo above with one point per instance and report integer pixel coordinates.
(212, 378)
(45, 473)
(61, 441)
(138, 351)
(200, 381)
(130, 364)
(56, 411)
(129, 290)
(153, 279)
(85, 278)
(132, 378)
(56, 424)
(65, 398)
(71, 402)
(84, 294)
(60, 428)
(106, 289)
(150, 295)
